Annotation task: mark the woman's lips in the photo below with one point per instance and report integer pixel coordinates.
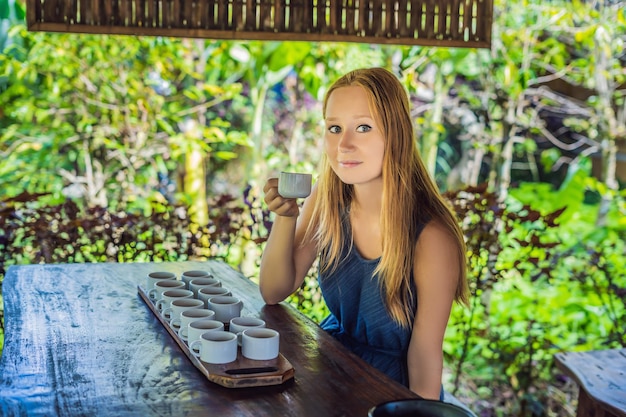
(348, 164)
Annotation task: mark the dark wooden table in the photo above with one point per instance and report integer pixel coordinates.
(80, 341)
(601, 379)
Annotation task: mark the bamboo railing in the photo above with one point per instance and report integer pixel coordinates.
(460, 23)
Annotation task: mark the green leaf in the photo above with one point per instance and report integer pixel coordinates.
(225, 155)
(288, 54)
(4, 9)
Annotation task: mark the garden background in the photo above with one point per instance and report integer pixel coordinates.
(135, 149)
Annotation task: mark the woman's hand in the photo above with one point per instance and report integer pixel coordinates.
(286, 207)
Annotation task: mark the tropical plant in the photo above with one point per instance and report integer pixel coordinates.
(545, 279)
(110, 120)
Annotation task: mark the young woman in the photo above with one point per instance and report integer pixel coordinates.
(391, 254)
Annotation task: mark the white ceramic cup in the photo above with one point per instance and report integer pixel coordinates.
(294, 184)
(178, 306)
(189, 275)
(260, 344)
(197, 328)
(208, 292)
(171, 295)
(239, 324)
(156, 276)
(226, 307)
(161, 286)
(191, 315)
(197, 283)
(216, 347)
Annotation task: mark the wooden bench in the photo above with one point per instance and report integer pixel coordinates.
(601, 379)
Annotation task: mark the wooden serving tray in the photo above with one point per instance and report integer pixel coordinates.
(241, 373)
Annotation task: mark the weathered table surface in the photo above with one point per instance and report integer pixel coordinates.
(601, 378)
(81, 342)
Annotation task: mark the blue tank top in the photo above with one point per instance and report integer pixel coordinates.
(358, 317)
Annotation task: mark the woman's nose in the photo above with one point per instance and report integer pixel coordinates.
(346, 142)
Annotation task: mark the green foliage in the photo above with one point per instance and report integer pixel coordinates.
(108, 115)
(10, 11)
(546, 278)
(33, 232)
(308, 299)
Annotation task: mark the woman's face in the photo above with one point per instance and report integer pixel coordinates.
(354, 143)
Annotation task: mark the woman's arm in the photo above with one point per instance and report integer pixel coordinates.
(286, 258)
(436, 271)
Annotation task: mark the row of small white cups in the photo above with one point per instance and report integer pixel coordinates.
(205, 315)
(220, 346)
(159, 281)
(201, 288)
(164, 289)
(172, 297)
(216, 345)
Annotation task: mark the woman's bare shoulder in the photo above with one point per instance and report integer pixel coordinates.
(436, 232)
(436, 253)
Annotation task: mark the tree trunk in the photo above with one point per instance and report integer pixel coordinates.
(430, 141)
(194, 184)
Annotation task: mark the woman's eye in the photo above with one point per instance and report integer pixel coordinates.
(363, 128)
(334, 129)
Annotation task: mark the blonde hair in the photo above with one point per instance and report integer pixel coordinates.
(410, 196)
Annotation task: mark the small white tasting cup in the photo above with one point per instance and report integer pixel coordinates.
(156, 276)
(216, 347)
(197, 283)
(171, 295)
(239, 324)
(189, 275)
(260, 344)
(226, 307)
(197, 328)
(178, 306)
(294, 184)
(191, 315)
(161, 286)
(205, 293)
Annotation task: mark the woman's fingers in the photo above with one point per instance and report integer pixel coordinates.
(276, 203)
(269, 184)
(271, 191)
(283, 206)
